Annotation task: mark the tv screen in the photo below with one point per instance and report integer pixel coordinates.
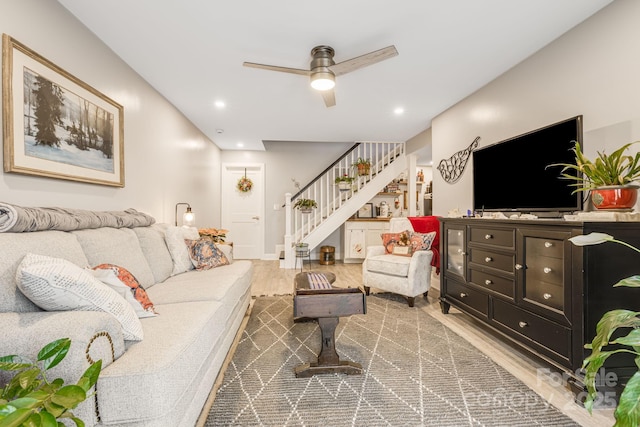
(512, 175)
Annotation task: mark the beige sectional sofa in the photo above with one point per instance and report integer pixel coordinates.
(162, 380)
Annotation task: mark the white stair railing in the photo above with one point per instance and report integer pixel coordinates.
(335, 206)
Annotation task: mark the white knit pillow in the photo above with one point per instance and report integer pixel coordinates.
(175, 237)
(55, 284)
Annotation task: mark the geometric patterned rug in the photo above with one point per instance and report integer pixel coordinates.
(417, 372)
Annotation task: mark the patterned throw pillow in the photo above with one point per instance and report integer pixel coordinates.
(175, 237)
(422, 241)
(205, 254)
(55, 284)
(391, 240)
(119, 278)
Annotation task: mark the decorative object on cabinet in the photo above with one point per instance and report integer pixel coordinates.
(188, 217)
(366, 211)
(63, 128)
(405, 275)
(452, 168)
(363, 166)
(627, 412)
(344, 182)
(609, 178)
(527, 281)
(305, 205)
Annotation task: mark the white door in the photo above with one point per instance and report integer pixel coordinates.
(243, 211)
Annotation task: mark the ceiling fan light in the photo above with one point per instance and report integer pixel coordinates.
(323, 81)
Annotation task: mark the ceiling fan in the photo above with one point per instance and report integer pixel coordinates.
(323, 69)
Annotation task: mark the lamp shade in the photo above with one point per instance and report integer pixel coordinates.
(188, 218)
(323, 80)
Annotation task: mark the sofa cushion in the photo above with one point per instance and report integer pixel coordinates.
(15, 246)
(392, 265)
(122, 281)
(175, 237)
(223, 283)
(421, 241)
(116, 246)
(204, 254)
(155, 250)
(55, 284)
(391, 240)
(163, 366)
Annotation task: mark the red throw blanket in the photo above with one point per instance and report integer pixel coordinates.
(427, 224)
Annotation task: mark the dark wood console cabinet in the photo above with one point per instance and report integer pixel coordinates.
(527, 281)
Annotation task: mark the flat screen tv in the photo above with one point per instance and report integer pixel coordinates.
(512, 175)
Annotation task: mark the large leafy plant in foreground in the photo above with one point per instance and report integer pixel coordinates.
(627, 412)
(29, 399)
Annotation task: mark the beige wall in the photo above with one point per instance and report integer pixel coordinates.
(167, 160)
(592, 70)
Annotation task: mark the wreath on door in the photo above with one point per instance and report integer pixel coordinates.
(244, 184)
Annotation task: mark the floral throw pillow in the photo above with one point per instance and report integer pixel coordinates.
(115, 277)
(205, 254)
(422, 241)
(401, 240)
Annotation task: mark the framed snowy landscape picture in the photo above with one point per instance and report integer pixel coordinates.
(55, 125)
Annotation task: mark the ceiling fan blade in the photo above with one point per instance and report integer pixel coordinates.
(329, 97)
(364, 60)
(276, 68)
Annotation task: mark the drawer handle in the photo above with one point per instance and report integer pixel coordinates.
(463, 295)
(523, 324)
(547, 270)
(488, 282)
(488, 259)
(488, 236)
(518, 266)
(546, 295)
(548, 244)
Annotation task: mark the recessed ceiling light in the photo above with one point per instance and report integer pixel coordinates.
(240, 144)
(398, 111)
(220, 104)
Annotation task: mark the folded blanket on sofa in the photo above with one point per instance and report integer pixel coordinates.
(18, 219)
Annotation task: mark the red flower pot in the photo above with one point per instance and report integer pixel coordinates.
(615, 197)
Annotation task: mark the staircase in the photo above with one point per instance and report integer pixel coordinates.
(388, 160)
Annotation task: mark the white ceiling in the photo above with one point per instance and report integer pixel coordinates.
(192, 52)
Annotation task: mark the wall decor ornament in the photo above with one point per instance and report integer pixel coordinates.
(55, 125)
(244, 183)
(452, 168)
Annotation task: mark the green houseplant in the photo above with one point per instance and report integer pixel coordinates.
(363, 166)
(344, 182)
(29, 399)
(609, 175)
(305, 205)
(627, 412)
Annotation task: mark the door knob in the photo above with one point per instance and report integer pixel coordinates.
(255, 217)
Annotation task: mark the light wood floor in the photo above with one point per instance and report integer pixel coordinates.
(269, 279)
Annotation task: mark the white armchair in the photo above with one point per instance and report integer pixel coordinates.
(408, 276)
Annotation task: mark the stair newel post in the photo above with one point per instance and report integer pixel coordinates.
(289, 255)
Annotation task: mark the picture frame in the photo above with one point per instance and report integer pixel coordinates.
(55, 125)
(366, 211)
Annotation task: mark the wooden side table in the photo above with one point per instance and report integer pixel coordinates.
(327, 304)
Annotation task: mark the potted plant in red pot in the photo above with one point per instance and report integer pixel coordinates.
(609, 178)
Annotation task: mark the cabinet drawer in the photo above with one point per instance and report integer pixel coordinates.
(537, 247)
(546, 294)
(536, 328)
(496, 237)
(544, 269)
(494, 283)
(468, 296)
(492, 259)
